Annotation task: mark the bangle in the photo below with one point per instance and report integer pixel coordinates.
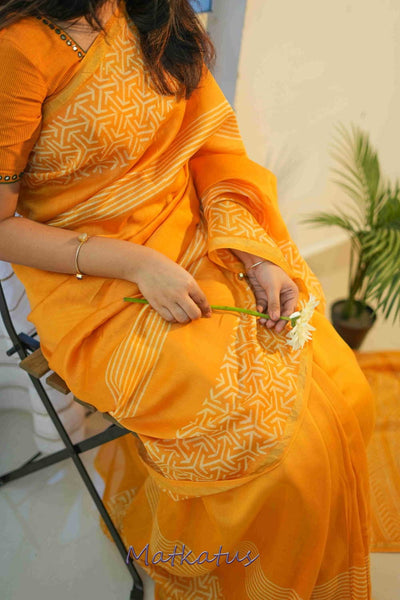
(82, 237)
(256, 264)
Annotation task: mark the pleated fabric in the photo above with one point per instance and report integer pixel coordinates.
(246, 448)
(307, 519)
(382, 370)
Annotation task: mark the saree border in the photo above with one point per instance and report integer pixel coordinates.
(87, 66)
(185, 489)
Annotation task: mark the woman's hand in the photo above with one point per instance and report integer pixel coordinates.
(275, 292)
(169, 288)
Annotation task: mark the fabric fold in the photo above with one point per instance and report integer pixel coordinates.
(243, 442)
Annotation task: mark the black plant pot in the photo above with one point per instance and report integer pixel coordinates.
(354, 329)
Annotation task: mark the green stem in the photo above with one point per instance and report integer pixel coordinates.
(217, 307)
(245, 310)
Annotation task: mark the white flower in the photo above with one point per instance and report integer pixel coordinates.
(301, 331)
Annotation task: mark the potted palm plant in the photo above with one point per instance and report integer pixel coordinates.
(373, 223)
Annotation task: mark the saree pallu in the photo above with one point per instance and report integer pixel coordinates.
(245, 446)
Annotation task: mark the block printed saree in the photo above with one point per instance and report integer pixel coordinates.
(245, 446)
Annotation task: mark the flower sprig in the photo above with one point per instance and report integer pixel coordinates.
(300, 331)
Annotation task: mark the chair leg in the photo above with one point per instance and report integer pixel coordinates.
(35, 465)
(137, 592)
(71, 450)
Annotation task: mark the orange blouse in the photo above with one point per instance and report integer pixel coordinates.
(37, 59)
(245, 444)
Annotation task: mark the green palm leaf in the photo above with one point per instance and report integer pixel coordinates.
(389, 209)
(356, 207)
(389, 296)
(371, 216)
(381, 252)
(327, 219)
(361, 168)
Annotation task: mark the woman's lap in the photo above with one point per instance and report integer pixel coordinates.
(307, 518)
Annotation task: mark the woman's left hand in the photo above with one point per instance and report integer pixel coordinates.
(275, 292)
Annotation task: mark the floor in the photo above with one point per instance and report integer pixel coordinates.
(51, 545)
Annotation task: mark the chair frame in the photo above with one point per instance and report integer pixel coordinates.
(24, 344)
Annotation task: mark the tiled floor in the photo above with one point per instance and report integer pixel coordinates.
(51, 545)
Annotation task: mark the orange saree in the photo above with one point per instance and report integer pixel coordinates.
(249, 478)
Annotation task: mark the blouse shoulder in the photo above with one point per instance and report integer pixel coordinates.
(35, 62)
(39, 43)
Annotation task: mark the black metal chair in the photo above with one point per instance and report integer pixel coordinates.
(35, 364)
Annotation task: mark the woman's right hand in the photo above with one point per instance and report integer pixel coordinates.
(169, 288)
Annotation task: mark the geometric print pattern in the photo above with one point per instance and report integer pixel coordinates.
(192, 582)
(135, 357)
(118, 504)
(352, 583)
(144, 186)
(107, 125)
(302, 270)
(252, 224)
(242, 418)
(226, 217)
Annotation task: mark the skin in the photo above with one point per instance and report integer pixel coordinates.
(81, 31)
(274, 291)
(170, 289)
(167, 286)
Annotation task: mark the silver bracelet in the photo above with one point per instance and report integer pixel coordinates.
(256, 264)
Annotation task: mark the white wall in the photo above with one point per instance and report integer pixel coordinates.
(305, 66)
(17, 391)
(225, 25)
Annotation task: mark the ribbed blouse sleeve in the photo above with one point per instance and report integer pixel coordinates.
(22, 92)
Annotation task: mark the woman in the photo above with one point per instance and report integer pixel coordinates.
(249, 479)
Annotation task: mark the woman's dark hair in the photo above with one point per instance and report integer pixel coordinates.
(172, 38)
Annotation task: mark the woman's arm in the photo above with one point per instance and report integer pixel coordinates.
(275, 292)
(169, 288)
(247, 258)
(27, 242)
(239, 197)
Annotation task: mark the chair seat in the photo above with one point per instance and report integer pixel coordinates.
(92, 408)
(36, 365)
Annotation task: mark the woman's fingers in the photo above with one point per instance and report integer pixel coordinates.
(180, 314)
(262, 308)
(199, 297)
(275, 293)
(185, 310)
(166, 314)
(288, 306)
(267, 293)
(274, 307)
(280, 326)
